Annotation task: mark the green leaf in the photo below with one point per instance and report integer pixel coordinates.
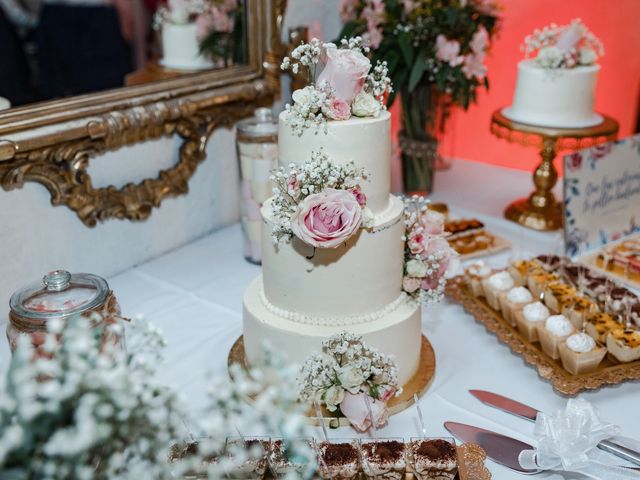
(393, 59)
(405, 45)
(418, 69)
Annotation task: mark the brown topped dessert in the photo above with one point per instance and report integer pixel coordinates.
(624, 344)
(255, 463)
(555, 291)
(551, 262)
(458, 228)
(578, 310)
(433, 459)
(384, 459)
(599, 324)
(281, 460)
(338, 461)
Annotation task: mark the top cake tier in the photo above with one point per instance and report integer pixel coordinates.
(365, 141)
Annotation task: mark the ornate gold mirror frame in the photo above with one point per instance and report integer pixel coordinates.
(51, 143)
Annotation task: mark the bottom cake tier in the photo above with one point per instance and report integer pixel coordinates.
(397, 332)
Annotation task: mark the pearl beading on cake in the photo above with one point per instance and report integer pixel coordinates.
(336, 321)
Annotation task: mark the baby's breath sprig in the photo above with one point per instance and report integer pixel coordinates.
(378, 82)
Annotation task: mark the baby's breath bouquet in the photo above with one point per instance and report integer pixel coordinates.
(320, 202)
(351, 378)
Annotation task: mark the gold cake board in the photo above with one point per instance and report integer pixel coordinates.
(418, 384)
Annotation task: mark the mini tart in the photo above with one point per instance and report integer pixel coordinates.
(549, 341)
(529, 328)
(433, 459)
(520, 269)
(576, 362)
(556, 291)
(384, 459)
(338, 461)
(474, 275)
(492, 292)
(599, 324)
(509, 307)
(624, 345)
(578, 310)
(537, 281)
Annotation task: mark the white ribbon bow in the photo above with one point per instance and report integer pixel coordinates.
(568, 441)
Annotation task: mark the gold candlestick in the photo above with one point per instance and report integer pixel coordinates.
(541, 210)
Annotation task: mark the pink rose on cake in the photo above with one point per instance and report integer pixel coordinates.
(345, 72)
(432, 222)
(338, 109)
(361, 198)
(327, 219)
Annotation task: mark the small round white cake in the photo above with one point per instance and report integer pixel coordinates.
(560, 98)
(180, 48)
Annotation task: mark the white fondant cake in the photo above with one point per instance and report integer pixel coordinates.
(561, 98)
(180, 48)
(304, 296)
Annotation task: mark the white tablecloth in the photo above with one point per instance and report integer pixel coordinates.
(195, 295)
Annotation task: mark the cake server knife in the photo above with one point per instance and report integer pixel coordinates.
(499, 448)
(529, 413)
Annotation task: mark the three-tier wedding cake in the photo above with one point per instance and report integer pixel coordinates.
(333, 247)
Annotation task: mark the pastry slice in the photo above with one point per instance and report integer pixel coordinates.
(556, 291)
(433, 459)
(537, 282)
(520, 269)
(554, 330)
(578, 310)
(599, 324)
(624, 345)
(513, 301)
(475, 274)
(528, 319)
(580, 353)
(499, 282)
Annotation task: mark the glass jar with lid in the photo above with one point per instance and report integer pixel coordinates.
(61, 295)
(257, 142)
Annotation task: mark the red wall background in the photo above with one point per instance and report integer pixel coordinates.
(615, 22)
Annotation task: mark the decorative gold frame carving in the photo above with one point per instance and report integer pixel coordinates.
(51, 143)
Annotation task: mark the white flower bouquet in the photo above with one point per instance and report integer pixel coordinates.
(429, 259)
(346, 86)
(344, 374)
(319, 202)
(565, 46)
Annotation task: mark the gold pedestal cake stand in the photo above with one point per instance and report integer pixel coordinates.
(418, 384)
(541, 210)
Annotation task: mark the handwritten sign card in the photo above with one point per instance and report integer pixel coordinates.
(601, 194)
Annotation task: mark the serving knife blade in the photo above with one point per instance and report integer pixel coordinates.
(529, 413)
(499, 448)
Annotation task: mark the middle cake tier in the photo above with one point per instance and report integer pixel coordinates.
(358, 279)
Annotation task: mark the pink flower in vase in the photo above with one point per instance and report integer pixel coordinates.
(338, 109)
(345, 72)
(408, 5)
(327, 219)
(479, 41)
(474, 66)
(347, 10)
(361, 198)
(410, 284)
(448, 51)
(374, 37)
(354, 407)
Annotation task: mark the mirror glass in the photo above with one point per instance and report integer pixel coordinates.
(52, 49)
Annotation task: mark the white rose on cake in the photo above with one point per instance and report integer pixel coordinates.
(587, 56)
(351, 378)
(549, 57)
(305, 97)
(416, 268)
(333, 397)
(365, 105)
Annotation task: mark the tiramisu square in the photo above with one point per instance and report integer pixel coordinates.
(253, 452)
(383, 459)
(338, 461)
(433, 459)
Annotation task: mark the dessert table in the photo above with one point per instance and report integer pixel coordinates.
(194, 294)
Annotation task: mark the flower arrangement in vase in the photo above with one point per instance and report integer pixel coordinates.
(350, 378)
(346, 86)
(435, 52)
(201, 33)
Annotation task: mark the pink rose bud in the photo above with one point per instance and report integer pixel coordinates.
(354, 407)
(339, 109)
(361, 198)
(416, 242)
(327, 219)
